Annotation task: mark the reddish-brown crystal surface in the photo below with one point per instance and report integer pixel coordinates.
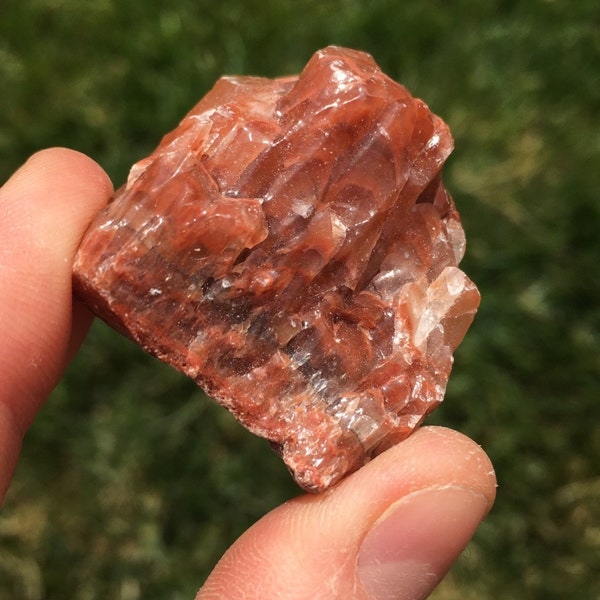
(291, 247)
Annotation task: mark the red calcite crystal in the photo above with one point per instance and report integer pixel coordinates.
(291, 247)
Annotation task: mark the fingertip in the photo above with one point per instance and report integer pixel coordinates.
(431, 457)
(67, 160)
(45, 208)
(333, 545)
(466, 462)
(445, 486)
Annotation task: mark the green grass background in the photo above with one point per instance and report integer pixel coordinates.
(131, 482)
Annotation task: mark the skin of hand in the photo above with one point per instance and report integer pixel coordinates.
(390, 531)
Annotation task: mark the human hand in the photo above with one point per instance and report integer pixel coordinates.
(389, 531)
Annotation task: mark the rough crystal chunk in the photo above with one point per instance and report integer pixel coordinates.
(291, 247)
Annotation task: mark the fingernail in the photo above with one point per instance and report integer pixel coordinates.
(411, 547)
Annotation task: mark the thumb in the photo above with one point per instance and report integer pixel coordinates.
(390, 531)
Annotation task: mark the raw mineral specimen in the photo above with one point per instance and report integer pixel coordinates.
(291, 247)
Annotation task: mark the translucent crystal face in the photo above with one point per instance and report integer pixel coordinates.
(292, 248)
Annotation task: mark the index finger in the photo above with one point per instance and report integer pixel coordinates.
(45, 208)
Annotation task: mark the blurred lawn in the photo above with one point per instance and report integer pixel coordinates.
(132, 483)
